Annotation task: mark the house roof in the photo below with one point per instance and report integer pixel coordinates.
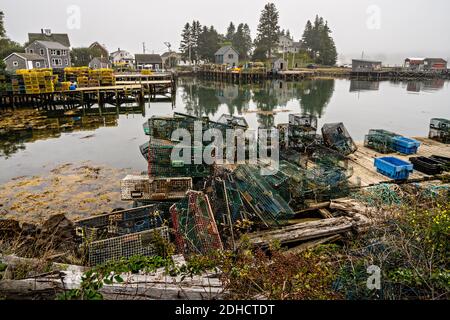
(167, 54)
(27, 56)
(61, 38)
(148, 58)
(224, 50)
(436, 60)
(118, 51)
(52, 45)
(96, 43)
(367, 61)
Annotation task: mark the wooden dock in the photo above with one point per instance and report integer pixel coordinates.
(124, 91)
(365, 173)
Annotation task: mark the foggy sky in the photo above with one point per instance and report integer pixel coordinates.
(406, 28)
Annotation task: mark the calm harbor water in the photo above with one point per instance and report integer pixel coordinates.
(113, 140)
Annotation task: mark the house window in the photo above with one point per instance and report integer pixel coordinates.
(15, 64)
(31, 50)
(66, 62)
(41, 52)
(58, 52)
(53, 52)
(57, 62)
(230, 56)
(38, 64)
(64, 52)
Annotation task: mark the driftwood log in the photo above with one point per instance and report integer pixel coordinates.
(302, 232)
(135, 287)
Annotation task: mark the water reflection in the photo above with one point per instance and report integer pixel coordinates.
(25, 126)
(429, 85)
(205, 98)
(360, 86)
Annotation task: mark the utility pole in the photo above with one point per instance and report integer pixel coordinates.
(143, 47)
(169, 46)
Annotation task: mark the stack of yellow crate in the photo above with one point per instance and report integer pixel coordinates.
(36, 81)
(107, 77)
(146, 72)
(65, 86)
(82, 82)
(73, 73)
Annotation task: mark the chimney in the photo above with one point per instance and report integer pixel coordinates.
(42, 31)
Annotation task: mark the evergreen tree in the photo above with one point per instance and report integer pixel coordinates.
(268, 30)
(2, 26)
(248, 42)
(242, 41)
(288, 34)
(209, 43)
(196, 30)
(7, 46)
(319, 43)
(185, 42)
(231, 32)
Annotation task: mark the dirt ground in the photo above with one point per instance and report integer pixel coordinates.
(76, 190)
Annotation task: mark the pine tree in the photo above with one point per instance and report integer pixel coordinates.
(2, 26)
(319, 43)
(185, 42)
(209, 43)
(242, 41)
(288, 34)
(196, 30)
(268, 30)
(7, 46)
(248, 42)
(231, 31)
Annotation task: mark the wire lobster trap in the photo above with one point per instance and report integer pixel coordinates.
(380, 140)
(306, 121)
(194, 225)
(119, 223)
(126, 246)
(336, 136)
(440, 130)
(440, 124)
(143, 188)
(161, 164)
(260, 197)
(233, 121)
(439, 135)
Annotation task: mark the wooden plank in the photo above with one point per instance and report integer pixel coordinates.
(302, 232)
(365, 172)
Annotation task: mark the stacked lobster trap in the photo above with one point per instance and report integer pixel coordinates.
(122, 234)
(440, 130)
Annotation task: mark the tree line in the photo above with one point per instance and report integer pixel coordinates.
(201, 43)
(7, 46)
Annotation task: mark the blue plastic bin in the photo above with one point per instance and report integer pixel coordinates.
(406, 145)
(393, 168)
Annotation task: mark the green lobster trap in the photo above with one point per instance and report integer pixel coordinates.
(195, 225)
(162, 164)
(380, 140)
(141, 243)
(135, 188)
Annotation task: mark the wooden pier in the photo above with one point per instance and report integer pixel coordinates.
(365, 173)
(139, 90)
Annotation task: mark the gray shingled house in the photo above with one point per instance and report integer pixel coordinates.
(18, 60)
(148, 61)
(54, 53)
(100, 63)
(47, 35)
(227, 55)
